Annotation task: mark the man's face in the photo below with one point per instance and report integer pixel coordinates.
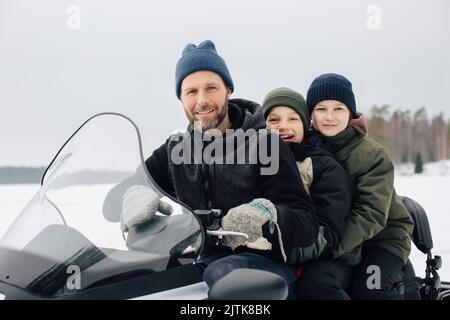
(205, 98)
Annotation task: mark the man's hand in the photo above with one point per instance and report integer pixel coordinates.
(258, 219)
(139, 205)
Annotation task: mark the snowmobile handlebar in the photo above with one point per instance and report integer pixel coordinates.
(211, 222)
(220, 233)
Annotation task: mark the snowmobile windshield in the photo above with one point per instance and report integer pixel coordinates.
(69, 236)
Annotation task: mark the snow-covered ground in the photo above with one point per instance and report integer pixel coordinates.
(430, 189)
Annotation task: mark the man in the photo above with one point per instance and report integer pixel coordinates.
(204, 168)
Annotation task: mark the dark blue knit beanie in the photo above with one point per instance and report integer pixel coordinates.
(331, 86)
(203, 57)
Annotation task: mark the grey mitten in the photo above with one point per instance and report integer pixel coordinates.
(139, 205)
(258, 219)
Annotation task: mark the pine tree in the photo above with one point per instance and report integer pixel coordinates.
(419, 164)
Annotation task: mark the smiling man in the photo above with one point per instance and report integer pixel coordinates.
(205, 99)
(272, 208)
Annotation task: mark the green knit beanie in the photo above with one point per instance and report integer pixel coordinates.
(288, 98)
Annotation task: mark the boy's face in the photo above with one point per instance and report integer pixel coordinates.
(330, 117)
(205, 98)
(286, 123)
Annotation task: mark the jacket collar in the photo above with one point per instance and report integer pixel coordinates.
(356, 129)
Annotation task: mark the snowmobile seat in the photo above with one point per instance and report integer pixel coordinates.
(415, 287)
(422, 232)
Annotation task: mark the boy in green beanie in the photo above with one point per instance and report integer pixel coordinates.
(329, 187)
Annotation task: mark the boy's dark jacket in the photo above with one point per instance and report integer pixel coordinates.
(330, 189)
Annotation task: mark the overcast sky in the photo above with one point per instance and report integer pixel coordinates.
(54, 75)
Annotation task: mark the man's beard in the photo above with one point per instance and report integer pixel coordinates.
(214, 123)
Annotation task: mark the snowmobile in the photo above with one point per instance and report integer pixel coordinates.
(63, 246)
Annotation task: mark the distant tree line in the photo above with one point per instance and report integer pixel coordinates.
(410, 137)
(14, 175)
(21, 175)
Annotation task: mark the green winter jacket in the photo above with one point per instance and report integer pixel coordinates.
(378, 217)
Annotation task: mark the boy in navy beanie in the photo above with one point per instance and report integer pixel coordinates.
(379, 228)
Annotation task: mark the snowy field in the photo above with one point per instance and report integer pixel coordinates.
(430, 189)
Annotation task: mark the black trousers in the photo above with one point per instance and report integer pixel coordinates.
(378, 277)
(324, 279)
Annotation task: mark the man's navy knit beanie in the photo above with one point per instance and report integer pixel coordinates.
(203, 57)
